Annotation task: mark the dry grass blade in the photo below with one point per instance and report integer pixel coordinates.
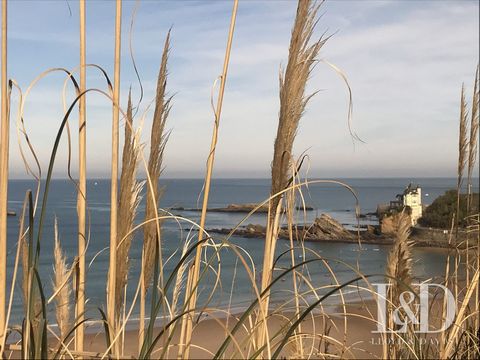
(4, 144)
(157, 145)
(114, 175)
(473, 141)
(194, 273)
(399, 267)
(462, 146)
(399, 263)
(293, 101)
(158, 139)
(128, 203)
(25, 270)
(301, 61)
(82, 186)
(62, 286)
(472, 157)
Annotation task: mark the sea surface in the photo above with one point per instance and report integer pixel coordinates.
(235, 289)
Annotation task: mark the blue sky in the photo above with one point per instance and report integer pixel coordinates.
(405, 62)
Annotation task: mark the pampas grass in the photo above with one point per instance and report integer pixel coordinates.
(399, 261)
(158, 139)
(61, 286)
(82, 187)
(473, 140)
(301, 60)
(193, 276)
(472, 157)
(399, 272)
(128, 203)
(4, 144)
(247, 334)
(462, 146)
(112, 277)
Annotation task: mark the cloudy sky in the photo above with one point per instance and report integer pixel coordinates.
(405, 62)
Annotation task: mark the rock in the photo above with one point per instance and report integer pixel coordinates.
(326, 227)
(255, 229)
(239, 208)
(306, 208)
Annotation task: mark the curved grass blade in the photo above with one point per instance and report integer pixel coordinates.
(247, 312)
(70, 333)
(147, 344)
(107, 329)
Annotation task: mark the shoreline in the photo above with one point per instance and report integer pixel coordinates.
(364, 237)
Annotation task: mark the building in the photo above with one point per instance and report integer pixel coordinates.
(411, 199)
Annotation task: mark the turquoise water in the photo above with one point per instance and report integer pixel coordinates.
(325, 198)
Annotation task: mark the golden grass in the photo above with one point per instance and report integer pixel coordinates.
(473, 140)
(294, 338)
(61, 286)
(462, 145)
(158, 139)
(4, 143)
(82, 187)
(114, 176)
(193, 275)
(472, 157)
(129, 200)
(301, 60)
(399, 272)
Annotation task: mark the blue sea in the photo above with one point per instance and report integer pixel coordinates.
(234, 290)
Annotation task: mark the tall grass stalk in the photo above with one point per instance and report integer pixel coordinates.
(473, 140)
(4, 145)
(128, 203)
(193, 275)
(114, 176)
(21, 239)
(152, 229)
(290, 223)
(462, 148)
(82, 188)
(462, 162)
(399, 267)
(61, 286)
(472, 157)
(301, 60)
(461, 318)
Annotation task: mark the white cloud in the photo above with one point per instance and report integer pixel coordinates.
(405, 62)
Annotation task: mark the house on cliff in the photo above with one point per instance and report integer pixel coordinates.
(410, 199)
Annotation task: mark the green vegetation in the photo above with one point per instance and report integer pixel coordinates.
(439, 214)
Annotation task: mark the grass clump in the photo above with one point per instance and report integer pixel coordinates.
(129, 199)
(62, 287)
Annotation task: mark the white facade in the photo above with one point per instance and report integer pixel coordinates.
(412, 198)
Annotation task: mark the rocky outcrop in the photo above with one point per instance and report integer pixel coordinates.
(324, 228)
(327, 228)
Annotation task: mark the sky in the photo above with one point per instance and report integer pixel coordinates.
(405, 62)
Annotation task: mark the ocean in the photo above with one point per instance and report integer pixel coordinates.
(235, 289)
